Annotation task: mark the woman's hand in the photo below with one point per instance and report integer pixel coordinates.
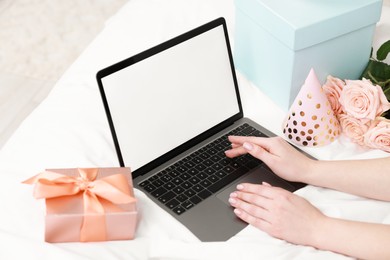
(277, 212)
(280, 156)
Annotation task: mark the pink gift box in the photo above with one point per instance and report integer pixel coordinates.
(86, 216)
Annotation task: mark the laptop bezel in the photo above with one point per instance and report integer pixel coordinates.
(153, 51)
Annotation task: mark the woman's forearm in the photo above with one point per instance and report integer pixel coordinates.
(368, 178)
(357, 239)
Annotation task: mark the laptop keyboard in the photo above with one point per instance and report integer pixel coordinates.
(196, 177)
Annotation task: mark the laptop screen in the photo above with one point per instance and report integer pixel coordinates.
(170, 97)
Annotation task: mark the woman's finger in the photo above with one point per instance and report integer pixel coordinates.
(236, 151)
(256, 222)
(250, 209)
(264, 142)
(264, 190)
(251, 198)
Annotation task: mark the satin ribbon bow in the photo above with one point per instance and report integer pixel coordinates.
(113, 188)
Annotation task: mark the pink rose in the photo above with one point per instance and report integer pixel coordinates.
(332, 88)
(378, 136)
(363, 100)
(353, 128)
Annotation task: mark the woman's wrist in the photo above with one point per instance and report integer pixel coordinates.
(310, 169)
(320, 235)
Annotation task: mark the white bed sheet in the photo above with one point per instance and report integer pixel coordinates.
(69, 129)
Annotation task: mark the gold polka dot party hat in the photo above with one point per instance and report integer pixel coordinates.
(311, 120)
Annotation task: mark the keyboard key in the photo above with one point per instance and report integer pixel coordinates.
(221, 174)
(204, 156)
(213, 178)
(235, 164)
(182, 169)
(173, 173)
(208, 162)
(258, 134)
(185, 176)
(189, 164)
(144, 183)
(167, 197)
(181, 197)
(157, 183)
(200, 167)
(177, 181)
(204, 194)
(168, 185)
(228, 169)
(189, 193)
(178, 189)
(217, 166)
(179, 210)
(226, 144)
(194, 180)
(186, 185)
(215, 158)
(187, 204)
(197, 188)
(242, 159)
(166, 178)
(150, 187)
(195, 199)
(253, 164)
(210, 171)
(197, 160)
(192, 171)
(205, 183)
(153, 178)
(158, 192)
(172, 203)
(201, 175)
(219, 147)
(212, 151)
(225, 161)
(248, 130)
(160, 174)
(242, 126)
(227, 180)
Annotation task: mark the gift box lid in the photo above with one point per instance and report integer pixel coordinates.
(303, 23)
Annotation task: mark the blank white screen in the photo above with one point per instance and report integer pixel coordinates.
(165, 100)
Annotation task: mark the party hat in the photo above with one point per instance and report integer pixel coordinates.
(310, 120)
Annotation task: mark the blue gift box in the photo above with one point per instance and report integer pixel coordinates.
(277, 42)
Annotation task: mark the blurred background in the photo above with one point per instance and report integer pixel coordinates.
(39, 40)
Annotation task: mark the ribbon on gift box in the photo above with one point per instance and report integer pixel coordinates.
(113, 188)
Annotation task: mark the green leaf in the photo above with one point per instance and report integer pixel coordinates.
(376, 71)
(383, 50)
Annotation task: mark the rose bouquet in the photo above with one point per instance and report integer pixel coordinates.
(362, 106)
(359, 106)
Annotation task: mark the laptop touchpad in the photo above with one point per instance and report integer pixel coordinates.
(257, 176)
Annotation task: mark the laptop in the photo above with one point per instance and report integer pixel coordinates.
(170, 110)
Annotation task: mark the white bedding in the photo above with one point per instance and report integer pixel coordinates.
(69, 129)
